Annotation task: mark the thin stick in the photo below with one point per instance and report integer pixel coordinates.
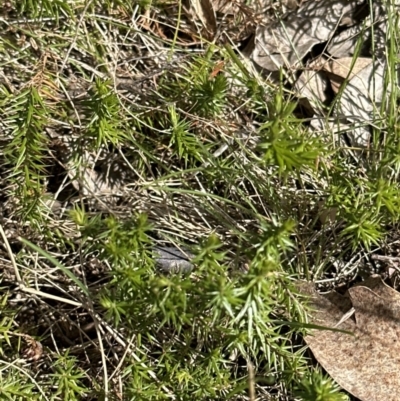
(11, 255)
(252, 391)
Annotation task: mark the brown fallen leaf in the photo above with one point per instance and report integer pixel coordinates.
(216, 69)
(346, 67)
(366, 364)
(286, 42)
(34, 349)
(312, 89)
(362, 88)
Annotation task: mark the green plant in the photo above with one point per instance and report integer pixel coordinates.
(26, 153)
(144, 136)
(68, 377)
(317, 387)
(103, 115)
(283, 141)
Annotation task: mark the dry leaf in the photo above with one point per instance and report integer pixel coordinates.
(286, 42)
(173, 260)
(34, 349)
(216, 69)
(360, 99)
(346, 67)
(346, 42)
(367, 363)
(312, 88)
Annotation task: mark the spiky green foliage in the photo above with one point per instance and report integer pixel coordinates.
(122, 130)
(317, 387)
(26, 152)
(213, 319)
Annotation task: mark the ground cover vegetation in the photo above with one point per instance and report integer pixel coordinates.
(124, 127)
